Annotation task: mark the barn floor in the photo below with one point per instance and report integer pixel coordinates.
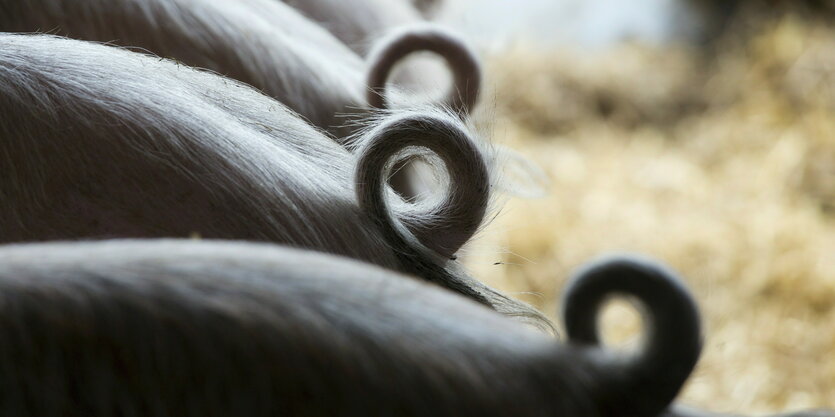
(721, 164)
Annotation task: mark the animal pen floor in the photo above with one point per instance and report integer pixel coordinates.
(721, 164)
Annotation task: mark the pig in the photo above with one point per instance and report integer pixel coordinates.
(100, 142)
(386, 32)
(581, 325)
(220, 328)
(263, 43)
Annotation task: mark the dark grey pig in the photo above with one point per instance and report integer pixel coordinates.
(199, 328)
(263, 43)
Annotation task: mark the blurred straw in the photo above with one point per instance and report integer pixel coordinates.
(722, 164)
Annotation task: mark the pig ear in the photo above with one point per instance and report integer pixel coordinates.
(673, 340)
(460, 59)
(442, 225)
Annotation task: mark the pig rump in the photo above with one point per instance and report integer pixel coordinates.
(98, 142)
(200, 328)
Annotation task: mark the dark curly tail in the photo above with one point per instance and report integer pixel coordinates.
(427, 236)
(447, 225)
(648, 382)
(426, 37)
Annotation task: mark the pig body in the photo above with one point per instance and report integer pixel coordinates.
(199, 328)
(99, 142)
